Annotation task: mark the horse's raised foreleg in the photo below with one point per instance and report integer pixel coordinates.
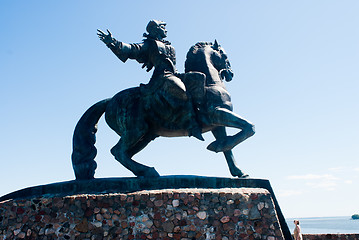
(123, 153)
(220, 133)
(227, 118)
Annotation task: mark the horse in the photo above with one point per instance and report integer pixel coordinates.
(127, 113)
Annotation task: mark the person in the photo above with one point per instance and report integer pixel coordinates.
(155, 52)
(297, 231)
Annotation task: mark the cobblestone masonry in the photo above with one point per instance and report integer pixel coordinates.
(227, 213)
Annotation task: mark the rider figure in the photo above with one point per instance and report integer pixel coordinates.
(156, 52)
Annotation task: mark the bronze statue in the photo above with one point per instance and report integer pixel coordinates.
(171, 104)
(156, 52)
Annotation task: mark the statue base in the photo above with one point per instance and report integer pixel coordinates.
(223, 209)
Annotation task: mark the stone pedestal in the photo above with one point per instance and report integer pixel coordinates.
(168, 213)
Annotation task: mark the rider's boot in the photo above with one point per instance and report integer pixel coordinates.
(194, 82)
(176, 96)
(194, 129)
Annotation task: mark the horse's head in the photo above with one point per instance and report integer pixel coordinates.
(221, 63)
(210, 59)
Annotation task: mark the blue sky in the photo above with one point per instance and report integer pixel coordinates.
(296, 78)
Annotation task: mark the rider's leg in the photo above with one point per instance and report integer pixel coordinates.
(178, 97)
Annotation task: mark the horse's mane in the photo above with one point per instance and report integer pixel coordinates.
(194, 48)
(191, 54)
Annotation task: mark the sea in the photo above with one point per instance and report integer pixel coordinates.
(323, 225)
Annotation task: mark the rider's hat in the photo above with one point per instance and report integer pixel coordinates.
(154, 24)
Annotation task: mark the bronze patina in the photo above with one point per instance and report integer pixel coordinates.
(171, 104)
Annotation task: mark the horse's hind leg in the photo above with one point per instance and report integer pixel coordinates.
(145, 140)
(123, 152)
(220, 133)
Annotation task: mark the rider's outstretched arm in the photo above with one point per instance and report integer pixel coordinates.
(122, 50)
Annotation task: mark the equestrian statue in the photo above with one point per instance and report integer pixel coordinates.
(171, 104)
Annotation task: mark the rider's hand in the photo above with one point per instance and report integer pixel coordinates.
(106, 38)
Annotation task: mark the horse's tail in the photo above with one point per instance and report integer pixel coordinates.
(83, 141)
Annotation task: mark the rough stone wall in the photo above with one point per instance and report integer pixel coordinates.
(331, 236)
(227, 213)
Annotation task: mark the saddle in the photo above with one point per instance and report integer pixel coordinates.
(194, 82)
(164, 108)
(195, 86)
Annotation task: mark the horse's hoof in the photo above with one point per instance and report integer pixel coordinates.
(147, 172)
(238, 173)
(219, 146)
(244, 176)
(214, 147)
(151, 172)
